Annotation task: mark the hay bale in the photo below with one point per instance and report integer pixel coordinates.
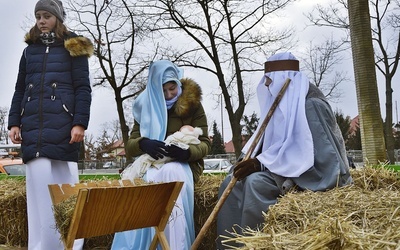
(205, 199)
(365, 215)
(13, 214)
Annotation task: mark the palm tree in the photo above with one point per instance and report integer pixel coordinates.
(372, 138)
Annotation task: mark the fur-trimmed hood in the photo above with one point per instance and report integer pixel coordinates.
(190, 99)
(76, 45)
(79, 46)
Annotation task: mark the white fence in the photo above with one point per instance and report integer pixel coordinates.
(355, 154)
(358, 157)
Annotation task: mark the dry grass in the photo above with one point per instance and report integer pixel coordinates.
(205, 198)
(63, 212)
(365, 215)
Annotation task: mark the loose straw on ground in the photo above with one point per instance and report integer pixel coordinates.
(365, 215)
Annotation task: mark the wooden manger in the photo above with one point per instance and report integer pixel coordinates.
(107, 207)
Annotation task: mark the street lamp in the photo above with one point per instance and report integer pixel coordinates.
(222, 119)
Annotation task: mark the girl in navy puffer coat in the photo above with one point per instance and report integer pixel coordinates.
(49, 115)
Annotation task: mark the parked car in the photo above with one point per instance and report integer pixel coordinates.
(217, 166)
(108, 164)
(12, 166)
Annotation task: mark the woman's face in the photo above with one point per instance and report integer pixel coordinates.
(45, 21)
(170, 90)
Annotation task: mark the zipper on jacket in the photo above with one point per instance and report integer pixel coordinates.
(53, 93)
(30, 86)
(38, 144)
(67, 110)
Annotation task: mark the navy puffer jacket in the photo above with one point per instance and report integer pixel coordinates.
(52, 94)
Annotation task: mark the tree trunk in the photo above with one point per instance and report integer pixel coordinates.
(237, 138)
(124, 127)
(372, 138)
(389, 120)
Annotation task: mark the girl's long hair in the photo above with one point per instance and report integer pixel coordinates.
(59, 29)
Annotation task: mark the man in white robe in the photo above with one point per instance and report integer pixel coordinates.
(302, 147)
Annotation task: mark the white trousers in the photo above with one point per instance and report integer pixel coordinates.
(42, 232)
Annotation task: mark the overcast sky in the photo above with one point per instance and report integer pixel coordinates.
(14, 14)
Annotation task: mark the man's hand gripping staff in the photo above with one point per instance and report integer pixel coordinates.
(246, 167)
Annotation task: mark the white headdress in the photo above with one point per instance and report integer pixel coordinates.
(287, 146)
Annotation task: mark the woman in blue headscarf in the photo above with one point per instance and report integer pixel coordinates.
(168, 103)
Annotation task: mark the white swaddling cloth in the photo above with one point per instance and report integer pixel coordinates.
(187, 135)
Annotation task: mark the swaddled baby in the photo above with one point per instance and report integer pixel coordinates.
(182, 138)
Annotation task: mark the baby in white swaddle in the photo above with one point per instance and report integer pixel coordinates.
(182, 138)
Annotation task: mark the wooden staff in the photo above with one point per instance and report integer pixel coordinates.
(233, 181)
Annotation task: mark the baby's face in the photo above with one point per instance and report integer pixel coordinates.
(186, 128)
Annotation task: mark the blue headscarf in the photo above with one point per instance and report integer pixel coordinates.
(150, 108)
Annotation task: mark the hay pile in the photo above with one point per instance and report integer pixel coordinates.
(13, 215)
(63, 212)
(205, 198)
(365, 215)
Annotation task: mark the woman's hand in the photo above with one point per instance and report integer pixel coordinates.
(156, 149)
(15, 135)
(77, 134)
(178, 153)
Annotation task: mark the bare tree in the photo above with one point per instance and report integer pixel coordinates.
(385, 18)
(320, 61)
(120, 48)
(113, 130)
(110, 134)
(90, 147)
(229, 39)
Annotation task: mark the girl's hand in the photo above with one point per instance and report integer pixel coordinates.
(15, 135)
(77, 134)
